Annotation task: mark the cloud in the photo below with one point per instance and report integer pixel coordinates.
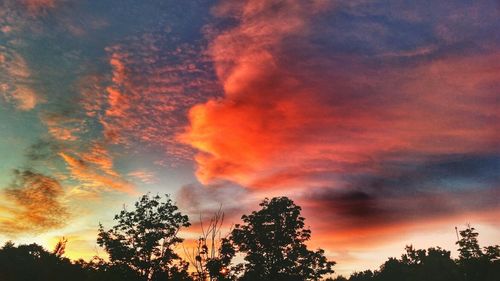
(25, 98)
(201, 203)
(290, 107)
(397, 191)
(62, 126)
(259, 104)
(154, 82)
(197, 199)
(32, 204)
(361, 114)
(42, 150)
(15, 81)
(94, 169)
(36, 7)
(143, 176)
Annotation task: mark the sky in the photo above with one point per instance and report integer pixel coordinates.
(381, 119)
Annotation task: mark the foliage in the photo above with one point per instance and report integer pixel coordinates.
(219, 267)
(361, 276)
(468, 244)
(143, 239)
(97, 269)
(273, 242)
(436, 264)
(34, 263)
(476, 264)
(433, 264)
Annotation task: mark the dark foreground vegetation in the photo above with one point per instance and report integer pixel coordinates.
(144, 245)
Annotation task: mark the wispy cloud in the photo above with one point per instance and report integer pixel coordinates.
(61, 126)
(143, 176)
(15, 80)
(94, 170)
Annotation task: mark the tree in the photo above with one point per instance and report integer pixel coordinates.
(212, 254)
(433, 264)
(362, 276)
(97, 269)
(143, 239)
(33, 263)
(393, 270)
(477, 264)
(338, 278)
(273, 242)
(468, 244)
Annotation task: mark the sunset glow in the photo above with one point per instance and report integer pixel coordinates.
(381, 119)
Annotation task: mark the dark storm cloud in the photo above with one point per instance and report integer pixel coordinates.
(402, 191)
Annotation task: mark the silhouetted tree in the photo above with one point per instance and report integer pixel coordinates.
(433, 264)
(468, 245)
(219, 266)
(212, 254)
(273, 242)
(362, 276)
(97, 269)
(34, 263)
(393, 270)
(338, 278)
(476, 264)
(143, 239)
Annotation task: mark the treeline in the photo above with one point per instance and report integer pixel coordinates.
(144, 245)
(436, 264)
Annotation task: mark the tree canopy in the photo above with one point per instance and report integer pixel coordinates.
(436, 264)
(273, 243)
(144, 237)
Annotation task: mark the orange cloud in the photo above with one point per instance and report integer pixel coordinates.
(62, 127)
(33, 204)
(25, 98)
(94, 169)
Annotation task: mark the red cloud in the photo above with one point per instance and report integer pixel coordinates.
(37, 6)
(291, 112)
